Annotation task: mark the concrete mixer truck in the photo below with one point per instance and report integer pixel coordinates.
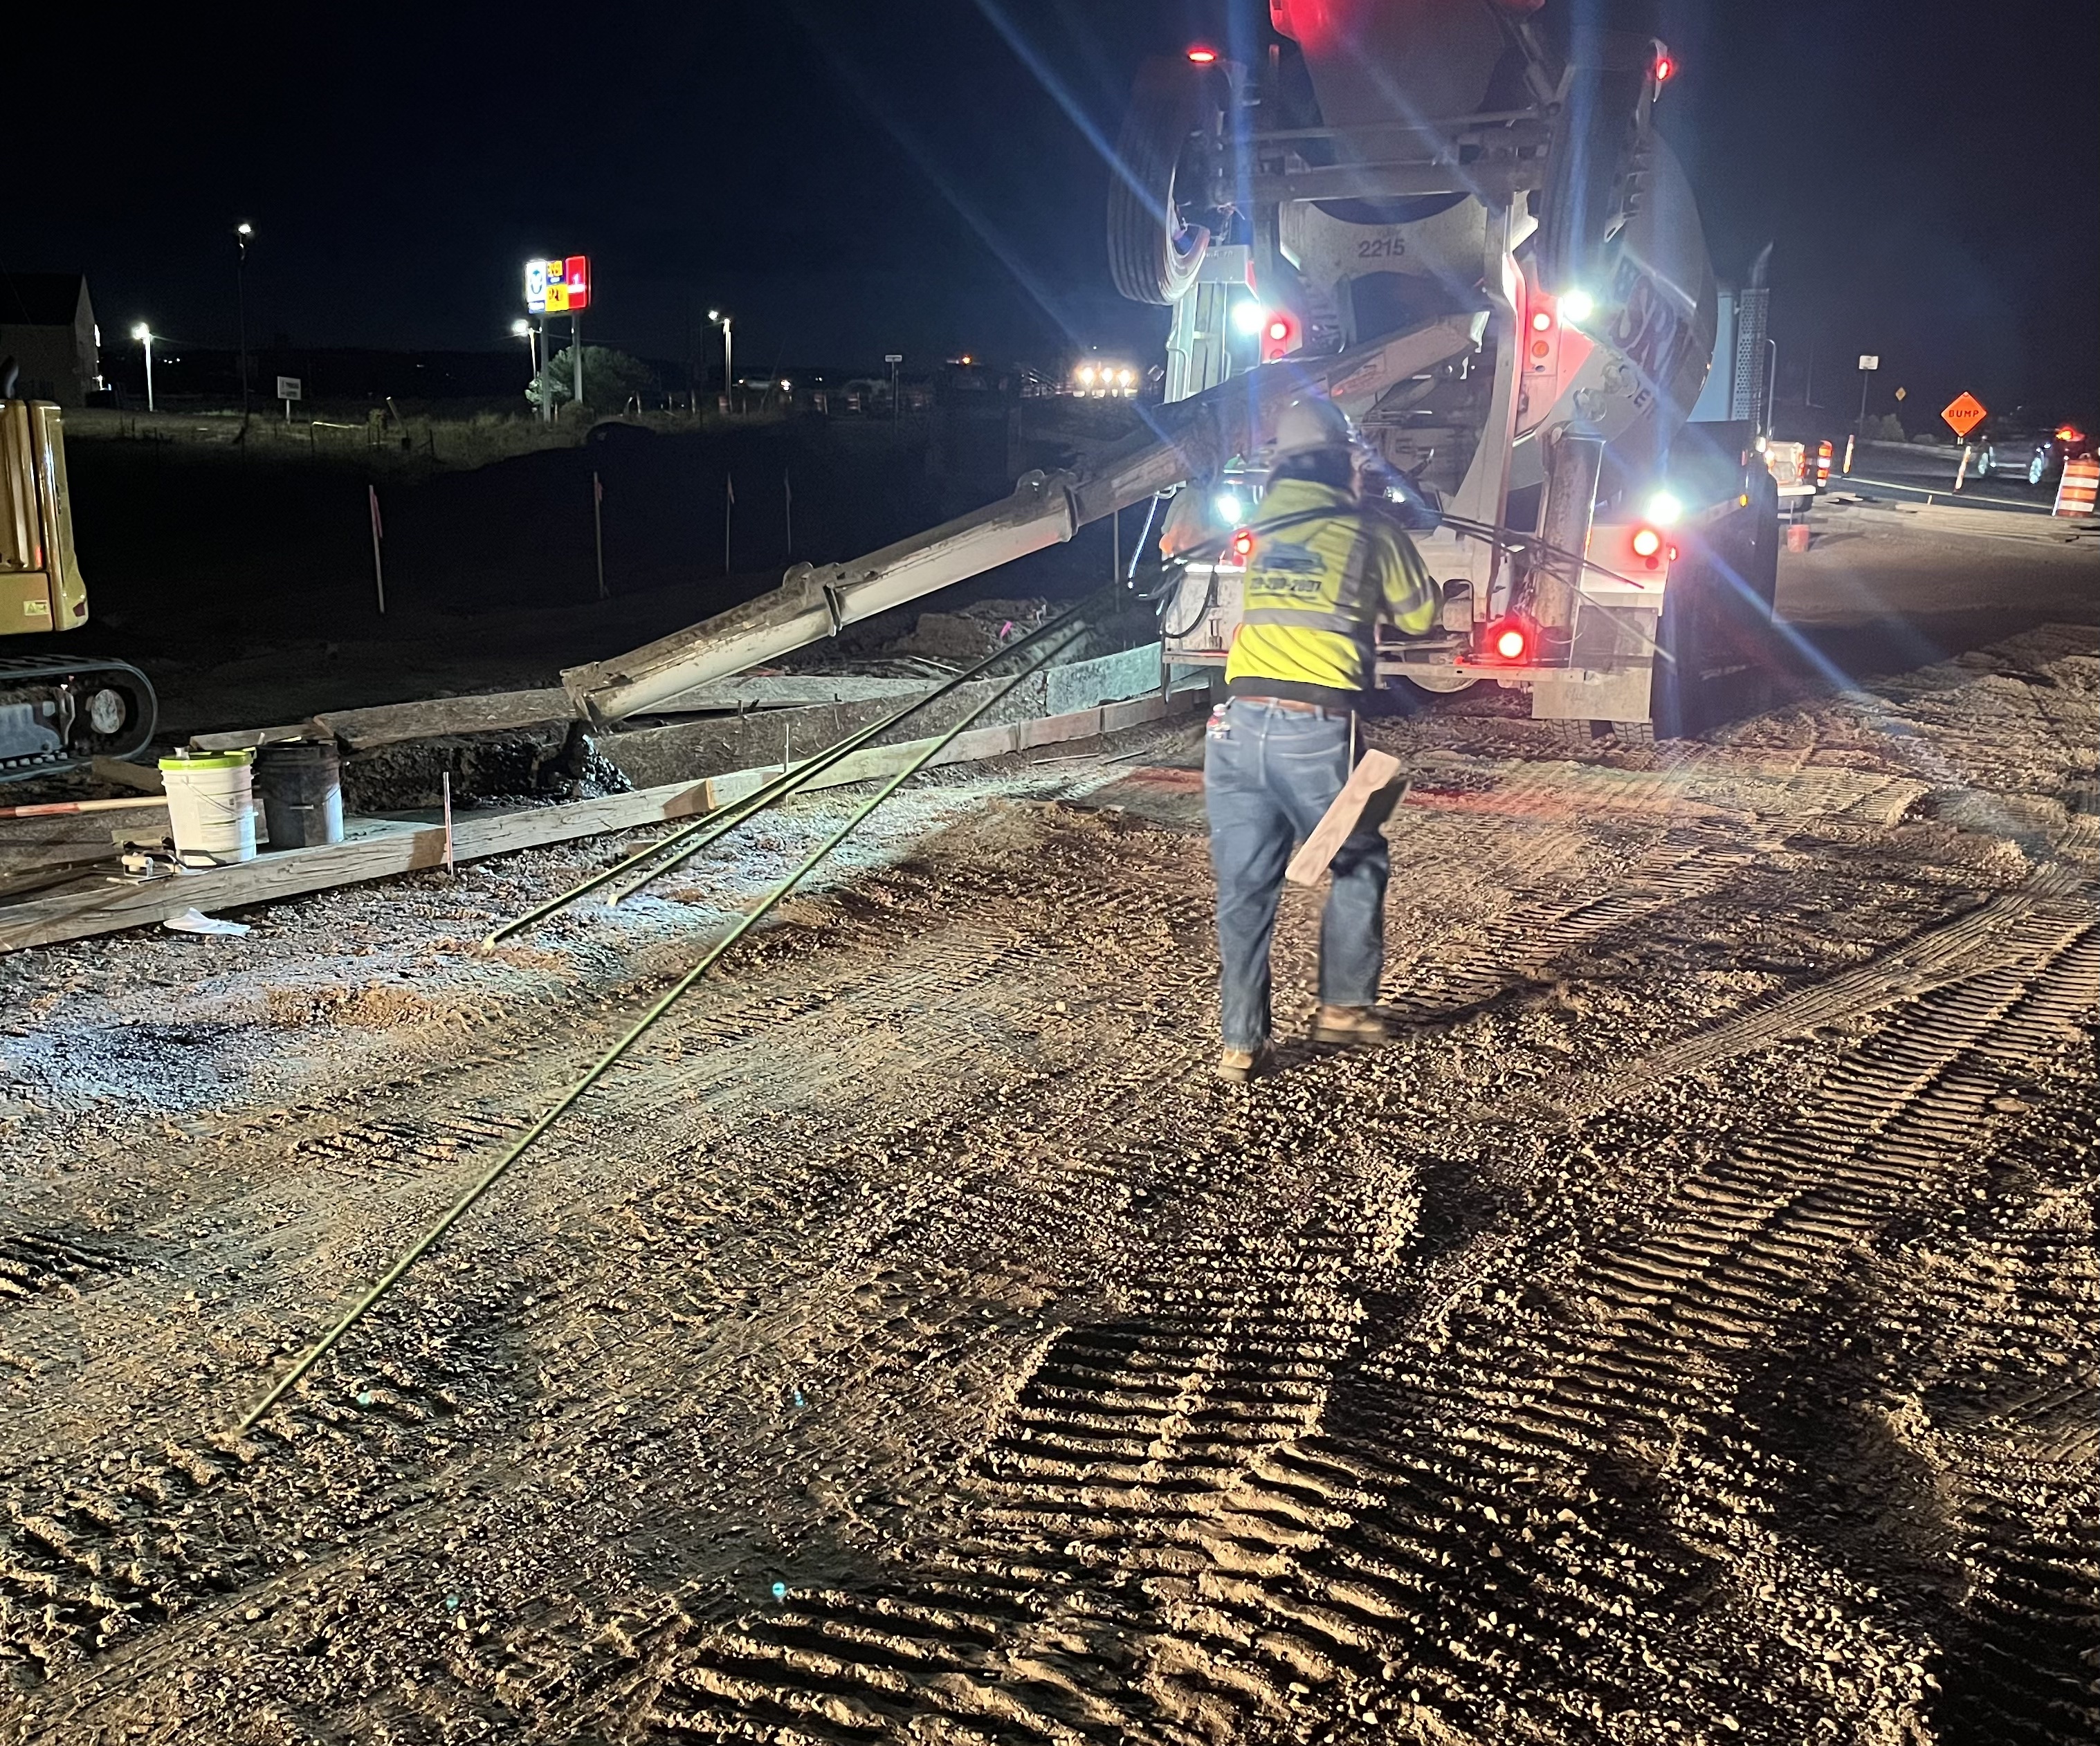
(1456, 218)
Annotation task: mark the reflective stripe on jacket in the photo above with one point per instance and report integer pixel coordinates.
(1316, 585)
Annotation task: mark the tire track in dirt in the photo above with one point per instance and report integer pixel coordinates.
(1632, 1362)
(1434, 1524)
(395, 1148)
(903, 996)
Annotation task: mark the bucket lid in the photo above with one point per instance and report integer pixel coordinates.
(210, 760)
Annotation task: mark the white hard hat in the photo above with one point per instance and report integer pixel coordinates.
(1310, 423)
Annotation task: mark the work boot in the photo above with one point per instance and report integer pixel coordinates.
(1237, 1066)
(1349, 1027)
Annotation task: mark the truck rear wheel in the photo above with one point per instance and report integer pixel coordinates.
(1159, 225)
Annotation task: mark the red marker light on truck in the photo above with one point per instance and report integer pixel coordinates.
(1201, 55)
(1509, 639)
(1666, 68)
(1646, 542)
(1243, 544)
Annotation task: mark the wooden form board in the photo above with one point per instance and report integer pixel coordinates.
(381, 847)
(489, 712)
(1375, 771)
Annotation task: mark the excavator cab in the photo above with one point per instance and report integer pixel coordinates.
(54, 712)
(41, 588)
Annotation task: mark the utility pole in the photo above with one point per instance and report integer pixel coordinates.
(1869, 362)
(892, 358)
(577, 346)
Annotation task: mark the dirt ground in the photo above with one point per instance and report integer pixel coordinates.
(1684, 1330)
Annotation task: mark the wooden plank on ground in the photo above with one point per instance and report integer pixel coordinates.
(1374, 772)
(370, 848)
(435, 718)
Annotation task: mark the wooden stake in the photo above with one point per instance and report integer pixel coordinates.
(597, 530)
(378, 567)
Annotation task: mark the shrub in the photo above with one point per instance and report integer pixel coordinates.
(609, 378)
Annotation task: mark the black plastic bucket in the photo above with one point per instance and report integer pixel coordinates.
(300, 784)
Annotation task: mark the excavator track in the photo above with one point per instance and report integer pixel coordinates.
(56, 714)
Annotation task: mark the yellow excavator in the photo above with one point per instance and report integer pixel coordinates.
(55, 711)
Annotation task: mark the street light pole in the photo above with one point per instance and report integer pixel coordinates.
(144, 336)
(241, 232)
(522, 329)
(729, 357)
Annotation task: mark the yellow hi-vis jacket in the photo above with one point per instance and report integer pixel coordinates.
(1320, 577)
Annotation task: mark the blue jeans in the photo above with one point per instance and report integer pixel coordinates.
(1268, 776)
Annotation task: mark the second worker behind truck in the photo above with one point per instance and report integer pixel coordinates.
(1320, 577)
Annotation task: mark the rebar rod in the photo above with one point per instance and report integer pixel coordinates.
(726, 818)
(489, 1177)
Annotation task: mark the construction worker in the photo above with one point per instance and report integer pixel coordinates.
(1320, 576)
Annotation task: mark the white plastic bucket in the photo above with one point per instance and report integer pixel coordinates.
(211, 807)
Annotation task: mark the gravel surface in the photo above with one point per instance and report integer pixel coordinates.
(1684, 1330)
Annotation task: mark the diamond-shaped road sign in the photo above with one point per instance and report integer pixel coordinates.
(1964, 414)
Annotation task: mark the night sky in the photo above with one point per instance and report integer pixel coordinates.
(926, 176)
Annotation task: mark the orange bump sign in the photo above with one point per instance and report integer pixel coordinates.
(1964, 412)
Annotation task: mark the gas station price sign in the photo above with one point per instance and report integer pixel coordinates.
(557, 286)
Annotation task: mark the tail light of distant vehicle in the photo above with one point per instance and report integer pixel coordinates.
(1823, 454)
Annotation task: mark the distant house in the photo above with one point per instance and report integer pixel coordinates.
(47, 326)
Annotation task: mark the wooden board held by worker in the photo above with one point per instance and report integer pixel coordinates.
(1375, 772)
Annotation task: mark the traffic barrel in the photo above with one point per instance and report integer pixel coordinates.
(2082, 481)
